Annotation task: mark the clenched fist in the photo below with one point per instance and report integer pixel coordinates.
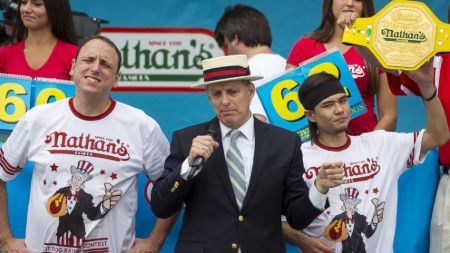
(330, 175)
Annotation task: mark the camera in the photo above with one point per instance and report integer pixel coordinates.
(9, 8)
(86, 26)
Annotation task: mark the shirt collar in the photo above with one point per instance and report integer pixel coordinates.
(247, 129)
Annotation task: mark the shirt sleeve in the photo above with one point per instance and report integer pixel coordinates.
(156, 150)
(408, 146)
(186, 169)
(403, 149)
(2, 59)
(415, 156)
(295, 56)
(256, 106)
(318, 199)
(14, 153)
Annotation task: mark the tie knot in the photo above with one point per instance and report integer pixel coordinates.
(234, 134)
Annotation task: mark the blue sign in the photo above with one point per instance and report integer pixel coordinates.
(15, 99)
(18, 94)
(51, 90)
(280, 100)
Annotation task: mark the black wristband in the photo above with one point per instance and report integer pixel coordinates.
(432, 96)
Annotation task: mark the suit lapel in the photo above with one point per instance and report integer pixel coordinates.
(261, 152)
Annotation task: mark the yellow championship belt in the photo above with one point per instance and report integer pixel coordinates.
(403, 35)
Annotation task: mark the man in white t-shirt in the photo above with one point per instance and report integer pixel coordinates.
(87, 153)
(243, 29)
(362, 213)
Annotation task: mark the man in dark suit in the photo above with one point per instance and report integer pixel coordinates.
(250, 177)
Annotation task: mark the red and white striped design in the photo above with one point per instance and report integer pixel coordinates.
(8, 168)
(351, 193)
(226, 68)
(68, 239)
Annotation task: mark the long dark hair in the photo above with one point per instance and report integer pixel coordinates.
(326, 29)
(311, 83)
(59, 16)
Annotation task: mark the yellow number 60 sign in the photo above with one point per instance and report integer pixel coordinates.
(12, 106)
(17, 96)
(285, 99)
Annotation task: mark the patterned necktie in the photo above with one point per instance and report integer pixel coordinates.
(235, 165)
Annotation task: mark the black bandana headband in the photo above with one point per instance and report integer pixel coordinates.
(314, 96)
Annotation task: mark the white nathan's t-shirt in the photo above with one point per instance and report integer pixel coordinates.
(267, 66)
(77, 161)
(373, 163)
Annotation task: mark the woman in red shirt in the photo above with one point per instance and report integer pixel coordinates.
(44, 40)
(370, 81)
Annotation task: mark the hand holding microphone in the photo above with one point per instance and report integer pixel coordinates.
(202, 148)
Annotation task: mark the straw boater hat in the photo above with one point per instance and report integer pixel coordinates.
(225, 68)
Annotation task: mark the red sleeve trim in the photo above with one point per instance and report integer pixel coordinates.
(410, 161)
(10, 170)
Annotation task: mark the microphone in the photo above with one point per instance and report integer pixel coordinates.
(213, 131)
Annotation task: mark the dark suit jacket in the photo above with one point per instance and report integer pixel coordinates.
(355, 243)
(212, 221)
(73, 222)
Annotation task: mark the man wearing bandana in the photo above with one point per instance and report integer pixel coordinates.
(372, 162)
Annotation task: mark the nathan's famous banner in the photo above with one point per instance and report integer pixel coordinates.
(162, 57)
(280, 99)
(18, 94)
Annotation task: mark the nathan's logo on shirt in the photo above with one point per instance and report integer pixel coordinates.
(353, 172)
(101, 147)
(356, 70)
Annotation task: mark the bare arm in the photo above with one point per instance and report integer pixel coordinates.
(436, 132)
(161, 230)
(387, 106)
(154, 242)
(306, 243)
(7, 242)
(5, 231)
(291, 235)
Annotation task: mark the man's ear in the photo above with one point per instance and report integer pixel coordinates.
(252, 89)
(208, 93)
(116, 83)
(311, 116)
(235, 40)
(71, 72)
